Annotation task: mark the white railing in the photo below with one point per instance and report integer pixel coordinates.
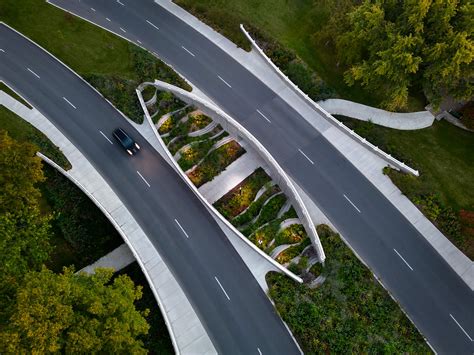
(391, 160)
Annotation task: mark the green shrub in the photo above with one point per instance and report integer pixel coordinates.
(262, 237)
(349, 313)
(242, 195)
(254, 208)
(193, 154)
(216, 162)
(268, 212)
(294, 68)
(78, 220)
(293, 251)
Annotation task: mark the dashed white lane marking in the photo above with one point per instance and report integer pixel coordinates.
(107, 19)
(152, 24)
(32, 72)
(121, 3)
(106, 137)
(146, 182)
(261, 114)
(259, 352)
(459, 325)
(138, 41)
(401, 257)
(182, 229)
(121, 29)
(2, 50)
(312, 162)
(69, 102)
(352, 203)
(225, 82)
(92, 9)
(187, 50)
(222, 288)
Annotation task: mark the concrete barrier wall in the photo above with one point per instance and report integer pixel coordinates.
(395, 163)
(278, 174)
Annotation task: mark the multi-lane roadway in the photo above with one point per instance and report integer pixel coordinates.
(233, 308)
(436, 299)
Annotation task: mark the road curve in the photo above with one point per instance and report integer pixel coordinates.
(233, 308)
(436, 299)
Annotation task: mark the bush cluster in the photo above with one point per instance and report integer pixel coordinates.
(349, 313)
(216, 162)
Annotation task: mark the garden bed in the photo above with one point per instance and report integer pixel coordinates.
(180, 142)
(242, 195)
(268, 213)
(215, 163)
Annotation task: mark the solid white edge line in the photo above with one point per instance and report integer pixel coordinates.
(260, 353)
(32, 72)
(122, 30)
(261, 114)
(225, 82)
(401, 257)
(352, 203)
(187, 50)
(222, 288)
(106, 137)
(146, 182)
(312, 162)
(179, 225)
(459, 325)
(152, 24)
(69, 102)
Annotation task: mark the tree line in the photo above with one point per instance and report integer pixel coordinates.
(396, 47)
(42, 311)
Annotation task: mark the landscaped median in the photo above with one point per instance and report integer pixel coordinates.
(230, 174)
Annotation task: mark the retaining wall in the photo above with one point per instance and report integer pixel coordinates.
(277, 173)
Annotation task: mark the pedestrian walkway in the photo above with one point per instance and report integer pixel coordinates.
(402, 121)
(233, 175)
(117, 259)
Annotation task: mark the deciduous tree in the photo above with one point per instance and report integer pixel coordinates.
(75, 313)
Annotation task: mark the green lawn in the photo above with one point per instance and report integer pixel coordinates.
(443, 155)
(84, 47)
(350, 313)
(22, 131)
(293, 24)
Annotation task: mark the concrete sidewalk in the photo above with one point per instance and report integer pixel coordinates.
(366, 161)
(117, 259)
(402, 121)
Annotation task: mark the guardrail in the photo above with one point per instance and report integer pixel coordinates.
(233, 127)
(391, 160)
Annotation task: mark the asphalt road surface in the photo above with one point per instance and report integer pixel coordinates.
(233, 308)
(430, 292)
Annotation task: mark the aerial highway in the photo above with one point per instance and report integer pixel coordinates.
(234, 310)
(436, 299)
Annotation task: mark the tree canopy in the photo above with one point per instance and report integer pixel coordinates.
(394, 46)
(75, 313)
(24, 231)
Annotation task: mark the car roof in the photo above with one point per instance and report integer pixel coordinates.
(120, 133)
